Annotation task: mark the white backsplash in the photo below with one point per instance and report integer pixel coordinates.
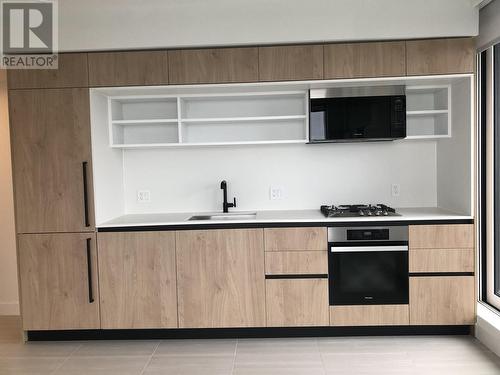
(188, 179)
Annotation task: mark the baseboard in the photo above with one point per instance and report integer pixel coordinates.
(487, 328)
(213, 333)
(9, 308)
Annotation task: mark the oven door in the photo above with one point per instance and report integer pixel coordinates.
(368, 274)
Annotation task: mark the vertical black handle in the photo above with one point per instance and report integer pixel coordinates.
(89, 270)
(85, 194)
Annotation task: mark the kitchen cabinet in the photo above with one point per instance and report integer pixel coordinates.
(71, 72)
(453, 236)
(137, 279)
(369, 315)
(297, 302)
(52, 172)
(357, 60)
(220, 278)
(440, 56)
(128, 68)
(441, 260)
(442, 300)
(441, 263)
(295, 239)
(296, 262)
(287, 63)
(58, 277)
(213, 65)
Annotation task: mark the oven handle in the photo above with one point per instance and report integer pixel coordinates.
(364, 249)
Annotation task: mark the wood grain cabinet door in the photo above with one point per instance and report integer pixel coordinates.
(50, 132)
(71, 72)
(355, 60)
(128, 68)
(297, 302)
(287, 63)
(442, 300)
(137, 280)
(440, 56)
(58, 276)
(296, 239)
(213, 65)
(220, 278)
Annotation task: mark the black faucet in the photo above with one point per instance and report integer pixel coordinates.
(225, 205)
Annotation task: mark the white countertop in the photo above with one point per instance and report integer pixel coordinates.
(273, 217)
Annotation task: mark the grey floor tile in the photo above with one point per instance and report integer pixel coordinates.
(38, 349)
(196, 347)
(191, 365)
(115, 365)
(117, 348)
(31, 366)
(277, 346)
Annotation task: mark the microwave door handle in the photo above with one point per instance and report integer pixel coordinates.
(365, 249)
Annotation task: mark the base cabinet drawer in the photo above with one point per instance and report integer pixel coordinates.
(295, 239)
(441, 260)
(442, 300)
(296, 262)
(454, 236)
(297, 302)
(369, 315)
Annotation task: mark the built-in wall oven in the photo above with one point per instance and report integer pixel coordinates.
(368, 265)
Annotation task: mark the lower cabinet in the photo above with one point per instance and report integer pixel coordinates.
(137, 280)
(442, 300)
(369, 315)
(220, 278)
(58, 276)
(297, 302)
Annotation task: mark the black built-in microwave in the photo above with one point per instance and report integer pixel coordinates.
(367, 116)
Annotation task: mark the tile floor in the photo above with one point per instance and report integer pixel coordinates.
(442, 355)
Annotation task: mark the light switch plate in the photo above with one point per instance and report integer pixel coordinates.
(143, 196)
(395, 190)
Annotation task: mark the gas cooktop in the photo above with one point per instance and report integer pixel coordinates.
(353, 210)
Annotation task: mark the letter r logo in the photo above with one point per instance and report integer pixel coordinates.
(27, 27)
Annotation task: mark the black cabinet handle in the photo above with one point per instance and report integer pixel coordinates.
(85, 194)
(89, 271)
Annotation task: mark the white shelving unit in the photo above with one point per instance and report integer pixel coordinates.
(428, 112)
(211, 119)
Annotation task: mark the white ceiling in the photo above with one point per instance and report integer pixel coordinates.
(136, 24)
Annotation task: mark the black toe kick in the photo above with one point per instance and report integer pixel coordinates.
(221, 333)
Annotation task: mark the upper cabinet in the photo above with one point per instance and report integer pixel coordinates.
(71, 72)
(52, 172)
(128, 68)
(355, 60)
(287, 63)
(440, 56)
(216, 65)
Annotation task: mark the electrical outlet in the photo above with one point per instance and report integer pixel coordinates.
(395, 190)
(143, 196)
(275, 193)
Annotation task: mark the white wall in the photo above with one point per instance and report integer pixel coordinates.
(187, 180)
(9, 300)
(135, 24)
(454, 156)
(489, 21)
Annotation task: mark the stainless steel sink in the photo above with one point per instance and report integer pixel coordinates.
(225, 216)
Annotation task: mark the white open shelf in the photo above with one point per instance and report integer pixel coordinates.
(428, 112)
(212, 119)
